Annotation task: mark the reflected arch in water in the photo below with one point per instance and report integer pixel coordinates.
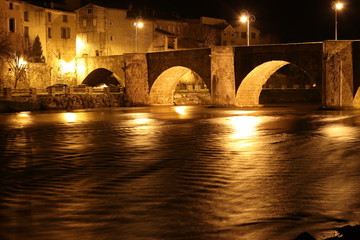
(263, 76)
(103, 76)
(162, 90)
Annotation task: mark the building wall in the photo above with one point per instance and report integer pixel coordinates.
(56, 30)
(14, 12)
(108, 31)
(238, 36)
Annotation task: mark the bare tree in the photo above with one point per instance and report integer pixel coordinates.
(5, 47)
(14, 52)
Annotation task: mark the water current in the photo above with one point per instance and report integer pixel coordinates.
(170, 173)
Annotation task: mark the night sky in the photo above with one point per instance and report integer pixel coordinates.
(288, 21)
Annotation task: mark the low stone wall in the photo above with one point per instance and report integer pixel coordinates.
(62, 102)
(192, 98)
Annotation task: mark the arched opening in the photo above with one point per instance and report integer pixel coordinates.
(102, 76)
(179, 86)
(277, 82)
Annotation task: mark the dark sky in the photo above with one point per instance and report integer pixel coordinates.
(290, 21)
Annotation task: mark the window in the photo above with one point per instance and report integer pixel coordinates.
(26, 32)
(111, 38)
(84, 23)
(49, 32)
(12, 25)
(243, 34)
(26, 16)
(65, 18)
(11, 6)
(65, 33)
(89, 10)
(253, 35)
(49, 16)
(94, 22)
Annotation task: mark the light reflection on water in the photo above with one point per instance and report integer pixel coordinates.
(178, 173)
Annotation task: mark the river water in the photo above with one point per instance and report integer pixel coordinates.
(165, 173)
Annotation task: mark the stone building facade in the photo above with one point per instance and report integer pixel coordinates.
(22, 22)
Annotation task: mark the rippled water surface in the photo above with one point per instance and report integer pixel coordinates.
(178, 173)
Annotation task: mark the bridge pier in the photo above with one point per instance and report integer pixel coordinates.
(136, 79)
(338, 82)
(222, 76)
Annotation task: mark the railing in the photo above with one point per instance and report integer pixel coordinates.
(33, 92)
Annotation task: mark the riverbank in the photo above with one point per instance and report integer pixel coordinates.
(62, 102)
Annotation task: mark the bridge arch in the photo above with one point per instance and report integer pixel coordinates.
(103, 76)
(251, 87)
(163, 88)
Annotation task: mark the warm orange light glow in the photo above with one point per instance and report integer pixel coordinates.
(142, 120)
(22, 62)
(70, 117)
(181, 110)
(339, 5)
(80, 45)
(138, 24)
(24, 118)
(340, 132)
(67, 67)
(244, 19)
(244, 126)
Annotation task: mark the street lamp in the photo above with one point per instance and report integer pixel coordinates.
(137, 24)
(245, 17)
(337, 5)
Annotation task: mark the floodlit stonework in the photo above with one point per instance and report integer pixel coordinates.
(68, 37)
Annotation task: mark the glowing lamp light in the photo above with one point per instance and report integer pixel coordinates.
(67, 67)
(339, 5)
(244, 19)
(22, 62)
(138, 24)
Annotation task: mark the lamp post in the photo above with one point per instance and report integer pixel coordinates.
(337, 5)
(246, 17)
(137, 24)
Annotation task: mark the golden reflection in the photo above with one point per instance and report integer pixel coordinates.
(24, 114)
(142, 120)
(340, 132)
(70, 117)
(182, 110)
(24, 118)
(244, 126)
(239, 112)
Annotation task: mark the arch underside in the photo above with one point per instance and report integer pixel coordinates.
(163, 89)
(102, 76)
(250, 88)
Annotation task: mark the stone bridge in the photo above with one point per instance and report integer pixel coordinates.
(236, 75)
